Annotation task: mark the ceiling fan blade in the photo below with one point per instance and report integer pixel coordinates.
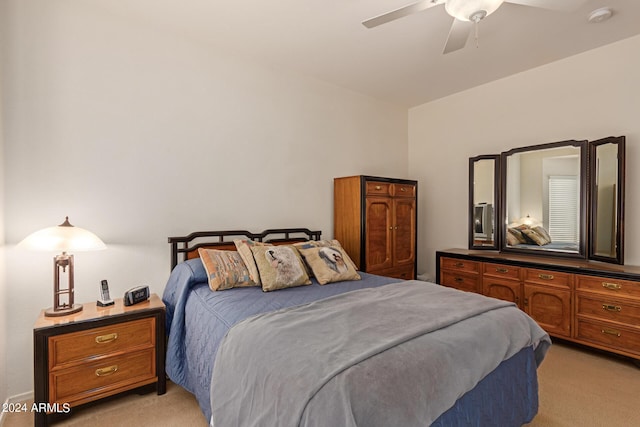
(458, 35)
(399, 13)
(563, 5)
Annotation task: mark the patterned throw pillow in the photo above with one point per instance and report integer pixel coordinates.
(244, 249)
(280, 267)
(517, 233)
(321, 243)
(543, 232)
(330, 264)
(536, 237)
(225, 269)
(533, 237)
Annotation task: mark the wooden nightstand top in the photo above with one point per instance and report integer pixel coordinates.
(91, 311)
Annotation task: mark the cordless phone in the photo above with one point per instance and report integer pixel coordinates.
(104, 298)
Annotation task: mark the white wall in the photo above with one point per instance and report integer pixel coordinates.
(3, 277)
(138, 134)
(588, 96)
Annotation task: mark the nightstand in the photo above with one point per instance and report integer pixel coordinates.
(98, 352)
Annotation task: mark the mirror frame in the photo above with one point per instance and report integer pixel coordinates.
(496, 201)
(584, 167)
(619, 233)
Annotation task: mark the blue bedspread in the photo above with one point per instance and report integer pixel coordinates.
(189, 301)
(393, 355)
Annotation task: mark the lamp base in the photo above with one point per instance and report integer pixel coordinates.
(50, 312)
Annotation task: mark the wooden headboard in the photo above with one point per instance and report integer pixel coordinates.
(184, 248)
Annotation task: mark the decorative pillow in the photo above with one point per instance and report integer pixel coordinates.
(543, 232)
(280, 267)
(517, 233)
(244, 249)
(322, 243)
(512, 240)
(536, 238)
(329, 264)
(225, 269)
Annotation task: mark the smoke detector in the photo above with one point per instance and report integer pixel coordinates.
(600, 15)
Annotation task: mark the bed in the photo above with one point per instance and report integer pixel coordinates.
(366, 352)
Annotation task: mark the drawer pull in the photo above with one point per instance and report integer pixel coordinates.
(103, 339)
(403, 189)
(611, 332)
(546, 276)
(502, 270)
(103, 372)
(612, 286)
(378, 187)
(459, 264)
(458, 279)
(609, 307)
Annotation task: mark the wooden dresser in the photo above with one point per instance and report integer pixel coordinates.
(587, 302)
(375, 221)
(98, 352)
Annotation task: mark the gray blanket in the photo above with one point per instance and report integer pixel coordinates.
(401, 354)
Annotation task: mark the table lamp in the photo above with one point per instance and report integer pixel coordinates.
(66, 238)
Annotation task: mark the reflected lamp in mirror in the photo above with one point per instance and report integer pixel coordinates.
(64, 238)
(528, 220)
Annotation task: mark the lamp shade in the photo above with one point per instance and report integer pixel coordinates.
(464, 10)
(63, 238)
(528, 220)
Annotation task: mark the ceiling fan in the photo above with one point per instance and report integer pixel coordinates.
(466, 14)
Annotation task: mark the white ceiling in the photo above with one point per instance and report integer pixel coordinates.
(401, 61)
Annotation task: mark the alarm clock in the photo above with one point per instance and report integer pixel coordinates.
(136, 295)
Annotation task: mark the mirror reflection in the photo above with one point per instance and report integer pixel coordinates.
(606, 179)
(483, 194)
(543, 203)
(607, 199)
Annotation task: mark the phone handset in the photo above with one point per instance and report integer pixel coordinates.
(104, 298)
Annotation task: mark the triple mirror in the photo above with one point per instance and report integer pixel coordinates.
(564, 198)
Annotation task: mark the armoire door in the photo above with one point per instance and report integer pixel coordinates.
(378, 232)
(404, 231)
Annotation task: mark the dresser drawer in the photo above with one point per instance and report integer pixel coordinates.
(609, 335)
(500, 270)
(546, 277)
(608, 309)
(68, 349)
(378, 188)
(463, 282)
(459, 265)
(100, 378)
(404, 190)
(612, 287)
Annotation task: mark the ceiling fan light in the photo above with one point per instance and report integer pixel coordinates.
(470, 10)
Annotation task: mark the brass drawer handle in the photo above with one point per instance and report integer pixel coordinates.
(103, 339)
(609, 307)
(611, 332)
(378, 187)
(102, 372)
(403, 189)
(458, 279)
(502, 270)
(612, 286)
(459, 264)
(546, 276)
